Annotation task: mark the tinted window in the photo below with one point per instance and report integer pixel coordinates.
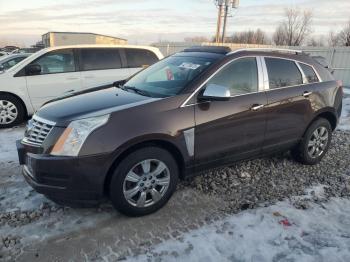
(98, 59)
(169, 76)
(283, 73)
(12, 62)
(59, 61)
(309, 73)
(140, 57)
(241, 76)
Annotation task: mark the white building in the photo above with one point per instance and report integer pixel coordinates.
(51, 39)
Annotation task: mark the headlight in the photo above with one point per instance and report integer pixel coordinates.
(73, 138)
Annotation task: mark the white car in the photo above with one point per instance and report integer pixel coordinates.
(57, 71)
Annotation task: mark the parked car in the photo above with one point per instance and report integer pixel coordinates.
(6, 62)
(198, 109)
(56, 71)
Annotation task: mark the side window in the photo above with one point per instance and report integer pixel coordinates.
(309, 73)
(59, 61)
(241, 76)
(100, 58)
(283, 73)
(140, 57)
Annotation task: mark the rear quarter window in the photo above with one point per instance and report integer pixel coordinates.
(282, 73)
(140, 57)
(309, 73)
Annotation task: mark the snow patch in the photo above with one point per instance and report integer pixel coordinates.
(276, 233)
(344, 122)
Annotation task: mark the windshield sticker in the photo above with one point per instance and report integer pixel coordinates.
(187, 65)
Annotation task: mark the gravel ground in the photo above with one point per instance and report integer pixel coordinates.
(32, 227)
(265, 181)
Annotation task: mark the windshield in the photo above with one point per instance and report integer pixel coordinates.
(169, 76)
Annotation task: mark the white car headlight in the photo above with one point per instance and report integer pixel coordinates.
(73, 138)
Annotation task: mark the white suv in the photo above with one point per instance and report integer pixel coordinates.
(56, 71)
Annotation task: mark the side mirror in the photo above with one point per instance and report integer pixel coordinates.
(215, 93)
(33, 69)
(2, 68)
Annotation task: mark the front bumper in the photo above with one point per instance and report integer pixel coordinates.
(65, 179)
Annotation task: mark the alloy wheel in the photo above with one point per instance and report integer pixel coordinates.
(146, 183)
(318, 142)
(8, 112)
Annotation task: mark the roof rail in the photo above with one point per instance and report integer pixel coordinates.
(280, 50)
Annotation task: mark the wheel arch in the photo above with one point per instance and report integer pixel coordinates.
(162, 143)
(327, 114)
(19, 99)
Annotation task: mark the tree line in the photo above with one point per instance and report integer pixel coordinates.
(294, 30)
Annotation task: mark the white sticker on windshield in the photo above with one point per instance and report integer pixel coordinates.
(187, 65)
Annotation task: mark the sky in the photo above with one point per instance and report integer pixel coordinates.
(146, 21)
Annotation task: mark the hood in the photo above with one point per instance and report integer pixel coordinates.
(96, 103)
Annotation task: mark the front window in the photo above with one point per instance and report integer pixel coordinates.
(169, 76)
(59, 61)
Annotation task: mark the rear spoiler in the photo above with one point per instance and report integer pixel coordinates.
(323, 62)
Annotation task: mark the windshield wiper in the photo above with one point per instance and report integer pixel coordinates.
(136, 90)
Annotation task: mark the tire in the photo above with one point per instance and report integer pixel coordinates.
(145, 164)
(304, 152)
(10, 107)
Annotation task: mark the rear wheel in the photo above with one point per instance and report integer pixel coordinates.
(315, 142)
(11, 111)
(143, 181)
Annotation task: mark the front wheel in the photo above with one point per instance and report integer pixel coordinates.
(315, 142)
(144, 181)
(11, 111)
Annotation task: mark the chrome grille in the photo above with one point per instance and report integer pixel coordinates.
(37, 130)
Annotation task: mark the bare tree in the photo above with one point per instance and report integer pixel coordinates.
(257, 37)
(196, 39)
(344, 35)
(294, 29)
(316, 41)
(333, 39)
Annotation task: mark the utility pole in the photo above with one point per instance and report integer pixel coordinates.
(218, 24)
(223, 10)
(227, 2)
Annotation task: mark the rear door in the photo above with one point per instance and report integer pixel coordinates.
(100, 66)
(288, 110)
(137, 59)
(58, 76)
(230, 130)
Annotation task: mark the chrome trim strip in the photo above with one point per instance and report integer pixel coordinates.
(281, 50)
(260, 74)
(302, 72)
(189, 139)
(266, 75)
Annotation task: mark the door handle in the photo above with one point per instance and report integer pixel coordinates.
(89, 77)
(256, 107)
(70, 91)
(72, 78)
(306, 94)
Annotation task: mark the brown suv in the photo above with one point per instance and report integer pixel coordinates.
(198, 109)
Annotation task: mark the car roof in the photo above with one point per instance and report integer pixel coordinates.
(151, 48)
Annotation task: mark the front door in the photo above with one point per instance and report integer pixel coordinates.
(231, 130)
(58, 77)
